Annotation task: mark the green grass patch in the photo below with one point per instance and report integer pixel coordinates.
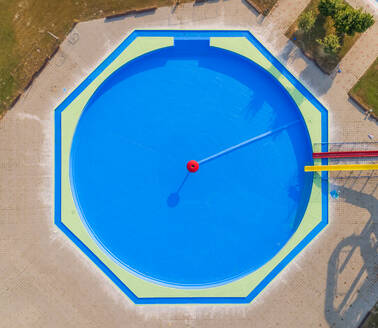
(8, 56)
(307, 41)
(365, 91)
(25, 43)
(262, 6)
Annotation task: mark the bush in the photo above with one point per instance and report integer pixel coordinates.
(363, 21)
(344, 21)
(349, 21)
(307, 21)
(330, 43)
(330, 7)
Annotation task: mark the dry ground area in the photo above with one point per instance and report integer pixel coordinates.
(28, 31)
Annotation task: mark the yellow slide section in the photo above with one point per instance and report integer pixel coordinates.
(353, 167)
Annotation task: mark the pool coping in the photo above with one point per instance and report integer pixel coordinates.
(278, 70)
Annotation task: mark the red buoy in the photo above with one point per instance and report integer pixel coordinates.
(192, 166)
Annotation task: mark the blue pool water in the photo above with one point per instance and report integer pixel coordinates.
(128, 166)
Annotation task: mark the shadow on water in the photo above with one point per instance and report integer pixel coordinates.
(174, 198)
(348, 300)
(254, 106)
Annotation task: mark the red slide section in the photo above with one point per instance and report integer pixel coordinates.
(346, 154)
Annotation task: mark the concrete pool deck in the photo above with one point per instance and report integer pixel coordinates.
(47, 282)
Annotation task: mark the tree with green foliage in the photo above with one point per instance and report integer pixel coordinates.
(349, 21)
(363, 21)
(307, 21)
(344, 21)
(330, 7)
(330, 43)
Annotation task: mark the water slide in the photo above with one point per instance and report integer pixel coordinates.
(348, 167)
(346, 154)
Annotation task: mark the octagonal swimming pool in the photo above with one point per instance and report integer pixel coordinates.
(191, 101)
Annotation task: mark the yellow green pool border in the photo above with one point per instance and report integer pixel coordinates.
(67, 217)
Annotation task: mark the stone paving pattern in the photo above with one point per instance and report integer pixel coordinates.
(45, 281)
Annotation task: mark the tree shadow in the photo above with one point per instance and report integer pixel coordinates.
(289, 51)
(130, 13)
(312, 75)
(347, 303)
(320, 82)
(362, 111)
(202, 2)
(252, 9)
